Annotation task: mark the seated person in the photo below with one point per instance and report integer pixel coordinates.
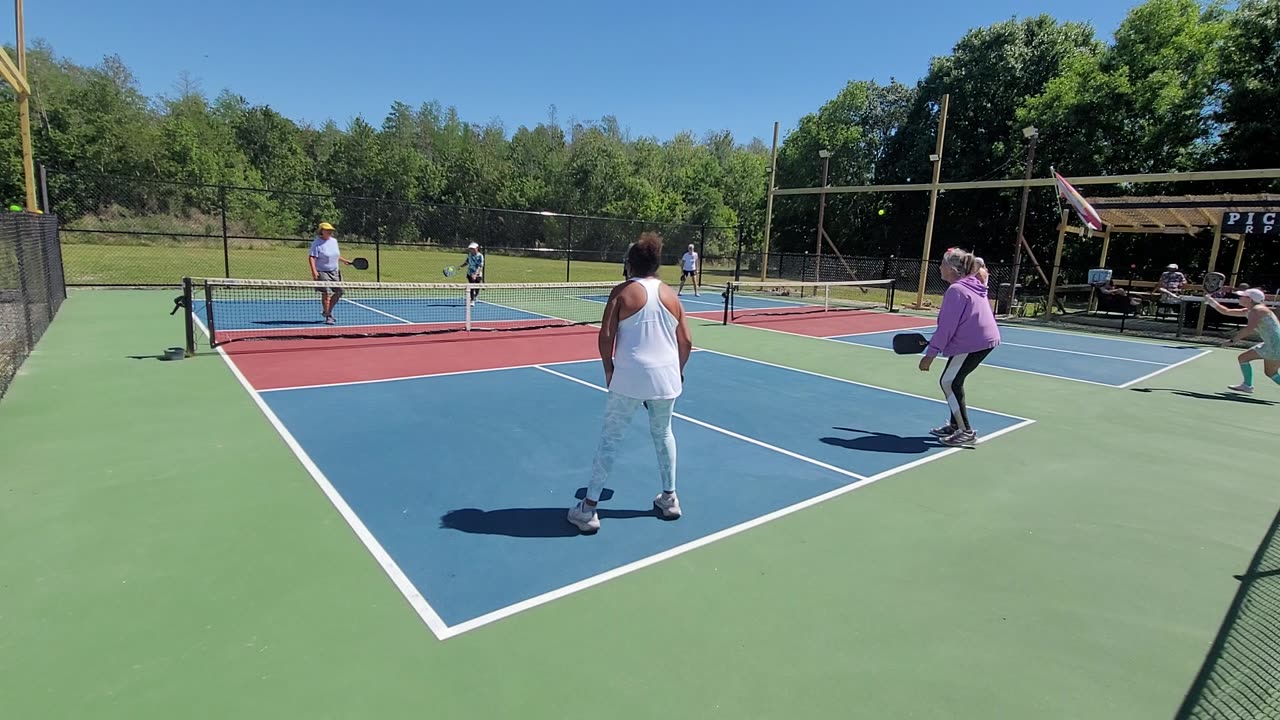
(1109, 289)
(1171, 284)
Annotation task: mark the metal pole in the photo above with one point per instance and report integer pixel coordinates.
(226, 240)
(768, 204)
(822, 210)
(1022, 220)
(568, 251)
(702, 255)
(933, 200)
(44, 191)
(737, 263)
(24, 113)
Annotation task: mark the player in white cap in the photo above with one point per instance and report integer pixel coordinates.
(1263, 320)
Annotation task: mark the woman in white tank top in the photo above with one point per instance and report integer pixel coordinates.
(644, 345)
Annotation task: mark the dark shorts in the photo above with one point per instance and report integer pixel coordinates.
(329, 276)
(478, 279)
(693, 274)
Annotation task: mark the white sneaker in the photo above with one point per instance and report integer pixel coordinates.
(1241, 388)
(588, 521)
(669, 505)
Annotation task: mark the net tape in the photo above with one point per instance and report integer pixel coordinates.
(786, 297)
(248, 309)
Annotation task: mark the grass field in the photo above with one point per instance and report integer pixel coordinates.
(165, 556)
(90, 264)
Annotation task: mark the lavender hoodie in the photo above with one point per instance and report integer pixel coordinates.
(965, 321)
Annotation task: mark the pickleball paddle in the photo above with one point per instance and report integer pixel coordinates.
(909, 343)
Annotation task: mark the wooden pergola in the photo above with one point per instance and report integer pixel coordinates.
(1167, 215)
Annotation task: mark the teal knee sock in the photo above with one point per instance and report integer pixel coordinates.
(1247, 370)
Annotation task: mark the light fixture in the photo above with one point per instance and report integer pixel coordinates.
(1030, 131)
(824, 154)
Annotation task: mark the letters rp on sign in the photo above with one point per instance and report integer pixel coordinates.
(1250, 223)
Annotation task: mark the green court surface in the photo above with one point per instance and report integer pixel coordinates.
(165, 555)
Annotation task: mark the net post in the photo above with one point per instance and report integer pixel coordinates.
(826, 298)
(728, 293)
(187, 319)
(466, 304)
(208, 315)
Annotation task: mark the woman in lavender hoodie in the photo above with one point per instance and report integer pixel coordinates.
(966, 334)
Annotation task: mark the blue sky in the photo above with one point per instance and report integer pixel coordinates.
(660, 67)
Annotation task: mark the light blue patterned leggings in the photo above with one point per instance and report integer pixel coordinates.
(618, 410)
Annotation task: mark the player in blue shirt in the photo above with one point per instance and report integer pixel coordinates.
(475, 268)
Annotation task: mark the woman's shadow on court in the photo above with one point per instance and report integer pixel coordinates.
(547, 522)
(870, 441)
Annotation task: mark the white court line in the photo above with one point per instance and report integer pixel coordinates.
(705, 540)
(373, 309)
(854, 382)
(419, 603)
(1165, 369)
(444, 632)
(724, 431)
(834, 338)
(428, 375)
(1087, 354)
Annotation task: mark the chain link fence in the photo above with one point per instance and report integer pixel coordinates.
(31, 286)
(809, 267)
(143, 232)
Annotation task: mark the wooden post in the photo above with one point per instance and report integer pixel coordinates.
(24, 114)
(1213, 265)
(1235, 266)
(1057, 261)
(933, 201)
(1102, 262)
(768, 204)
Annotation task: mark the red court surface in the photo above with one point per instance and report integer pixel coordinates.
(274, 364)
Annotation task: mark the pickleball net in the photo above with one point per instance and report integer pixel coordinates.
(752, 299)
(234, 310)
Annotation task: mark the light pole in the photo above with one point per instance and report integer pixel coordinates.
(822, 209)
(1032, 134)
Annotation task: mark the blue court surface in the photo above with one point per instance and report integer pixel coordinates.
(463, 481)
(1115, 362)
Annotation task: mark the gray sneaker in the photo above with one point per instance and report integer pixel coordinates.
(960, 438)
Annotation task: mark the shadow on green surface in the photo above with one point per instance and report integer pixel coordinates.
(1240, 678)
(1220, 396)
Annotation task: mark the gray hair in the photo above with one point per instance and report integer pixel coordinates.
(962, 261)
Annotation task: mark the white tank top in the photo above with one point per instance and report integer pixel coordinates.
(646, 358)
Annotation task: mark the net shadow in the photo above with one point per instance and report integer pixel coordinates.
(1240, 678)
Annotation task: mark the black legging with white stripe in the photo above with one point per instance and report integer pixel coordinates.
(958, 368)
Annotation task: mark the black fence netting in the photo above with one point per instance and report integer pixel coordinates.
(31, 286)
(142, 232)
(1240, 677)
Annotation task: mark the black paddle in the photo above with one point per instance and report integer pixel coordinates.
(360, 264)
(909, 343)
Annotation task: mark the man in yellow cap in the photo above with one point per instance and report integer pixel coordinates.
(324, 258)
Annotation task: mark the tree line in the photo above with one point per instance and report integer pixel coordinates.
(1181, 85)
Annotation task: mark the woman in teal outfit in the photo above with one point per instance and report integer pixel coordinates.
(1262, 319)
